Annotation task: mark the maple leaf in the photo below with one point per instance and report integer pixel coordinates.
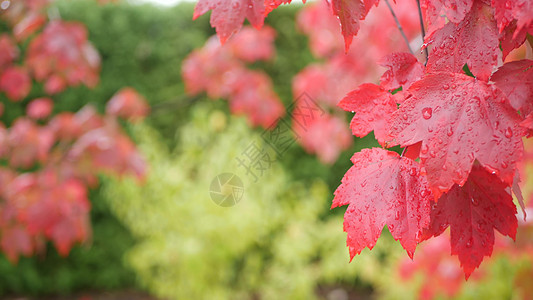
(473, 41)
(15, 82)
(62, 53)
(506, 11)
(382, 188)
(15, 239)
(472, 212)
(28, 143)
(228, 15)
(324, 134)
(270, 5)
(433, 257)
(373, 107)
(435, 10)
(403, 70)
(515, 79)
(128, 104)
(251, 45)
(512, 38)
(458, 119)
(349, 13)
(8, 51)
(39, 108)
(253, 96)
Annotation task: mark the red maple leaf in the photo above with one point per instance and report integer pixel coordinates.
(382, 188)
(519, 10)
(512, 38)
(515, 79)
(473, 41)
(436, 10)
(458, 119)
(8, 51)
(228, 15)
(128, 104)
(373, 107)
(16, 83)
(40, 108)
(349, 13)
(403, 70)
(472, 212)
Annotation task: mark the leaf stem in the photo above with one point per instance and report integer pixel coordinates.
(423, 30)
(403, 151)
(400, 28)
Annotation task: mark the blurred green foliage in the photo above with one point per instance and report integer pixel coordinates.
(279, 242)
(143, 46)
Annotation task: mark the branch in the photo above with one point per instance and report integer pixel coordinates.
(423, 30)
(173, 104)
(400, 28)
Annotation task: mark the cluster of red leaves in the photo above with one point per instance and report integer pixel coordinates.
(446, 279)
(51, 160)
(221, 72)
(461, 134)
(340, 72)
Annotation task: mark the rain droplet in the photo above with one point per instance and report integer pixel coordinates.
(427, 113)
(508, 132)
(469, 243)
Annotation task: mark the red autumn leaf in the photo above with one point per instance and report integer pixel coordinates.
(473, 41)
(349, 13)
(403, 70)
(8, 51)
(16, 240)
(62, 51)
(433, 257)
(373, 107)
(31, 22)
(458, 119)
(105, 149)
(210, 69)
(228, 15)
(519, 10)
(270, 5)
(55, 84)
(326, 134)
(16, 83)
(128, 104)
(73, 206)
(511, 38)
(28, 143)
(382, 188)
(435, 11)
(250, 45)
(472, 212)
(515, 79)
(253, 96)
(39, 108)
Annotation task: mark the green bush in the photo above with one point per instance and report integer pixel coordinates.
(279, 242)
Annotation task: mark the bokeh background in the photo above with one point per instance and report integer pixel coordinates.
(166, 239)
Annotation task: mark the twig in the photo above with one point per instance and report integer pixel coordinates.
(400, 28)
(423, 30)
(174, 104)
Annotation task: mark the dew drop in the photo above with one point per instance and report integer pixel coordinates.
(424, 149)
(508, 132)
(427, 113)
(450, 131)
(469, 243)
